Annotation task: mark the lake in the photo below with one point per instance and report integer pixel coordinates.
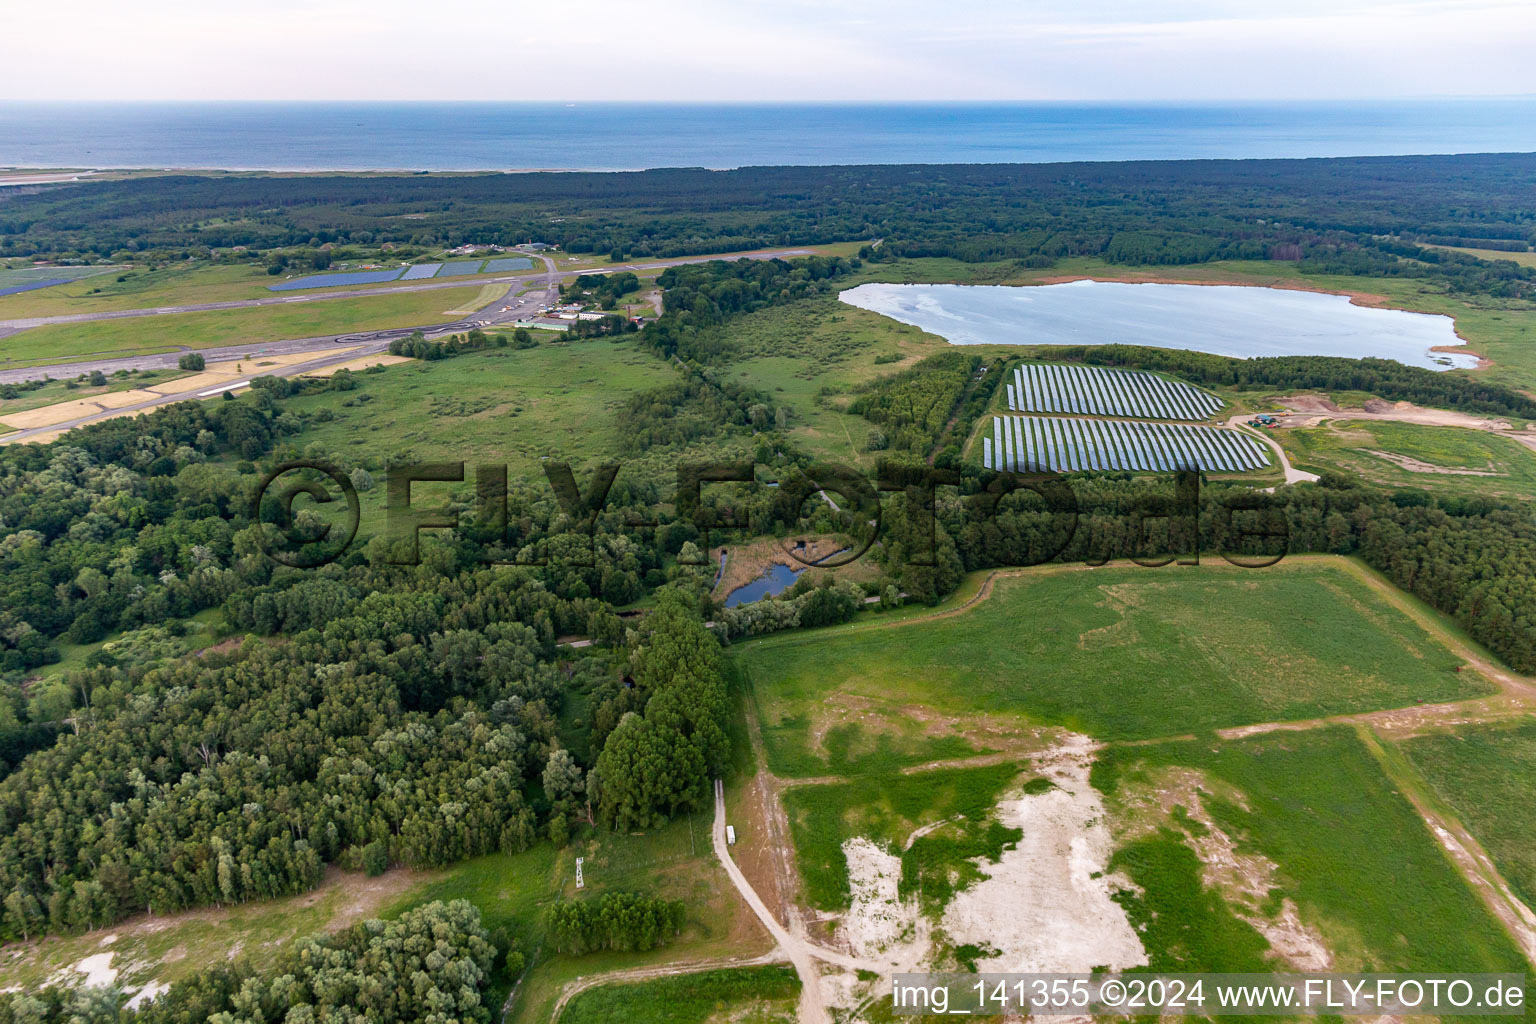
(1227, 320)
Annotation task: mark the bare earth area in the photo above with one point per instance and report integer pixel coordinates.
(1047, 905)
(1311, 410)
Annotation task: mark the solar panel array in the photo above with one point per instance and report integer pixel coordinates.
(1098, 391)
(1034, 444)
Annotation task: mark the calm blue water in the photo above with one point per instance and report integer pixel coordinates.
(775, 581)
(1224, 319)
(617, 136)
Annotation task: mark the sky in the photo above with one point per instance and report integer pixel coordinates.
(767, 50)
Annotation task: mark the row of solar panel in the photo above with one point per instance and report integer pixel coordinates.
(1097, 391)
(1033, 444)
(415, 272)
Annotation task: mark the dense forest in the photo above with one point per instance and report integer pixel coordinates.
(1354, 215)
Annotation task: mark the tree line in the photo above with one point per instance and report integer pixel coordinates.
(1362, 216)
(433, 963)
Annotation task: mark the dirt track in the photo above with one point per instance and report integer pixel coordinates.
(1516, 697)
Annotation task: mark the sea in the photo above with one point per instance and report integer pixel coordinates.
(631, 136)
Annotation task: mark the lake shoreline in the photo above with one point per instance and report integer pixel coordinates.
(985, 307)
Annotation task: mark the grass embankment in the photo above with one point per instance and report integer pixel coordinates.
(1487, 774)
(166, 332)
(1116, 652)
(748, 995)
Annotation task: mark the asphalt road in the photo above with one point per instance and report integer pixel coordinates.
(539, 290)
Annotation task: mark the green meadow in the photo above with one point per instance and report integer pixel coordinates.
(559, 401)
(746, 995)
(1487, 775)
(1349, 849)
(1114, 652)
(138, 335)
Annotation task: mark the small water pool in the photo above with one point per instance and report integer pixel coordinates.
(773, 582)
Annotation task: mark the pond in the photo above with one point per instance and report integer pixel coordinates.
(1228, 320)
(774, 581)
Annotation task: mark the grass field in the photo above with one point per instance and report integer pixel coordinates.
(1525, 259)
(1487, 775)
(1455, 459)
(1350, 851)
(516, 891)
(1117, 653)
(519, 407)
(174, 285)
(748, 995)
(138, 335)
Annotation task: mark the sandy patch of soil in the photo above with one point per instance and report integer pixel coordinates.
(358, 365)
(48, 415)
(1046, 905)
(1310, 410)
(879, 923)
(251, 364)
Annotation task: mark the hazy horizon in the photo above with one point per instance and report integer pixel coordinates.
(787, 51)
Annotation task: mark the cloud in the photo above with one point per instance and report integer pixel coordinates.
(767, 50)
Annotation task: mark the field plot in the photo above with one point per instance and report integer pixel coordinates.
(62, 411)
(1097, 391)
(337, 280)
(457, 268)
(1116, 653)
(1416, 455)
(13, 282)
(421, 271)
(1311, 849)
(1033, 444)
(1487, 774)
(139, 335)
(502, 405)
